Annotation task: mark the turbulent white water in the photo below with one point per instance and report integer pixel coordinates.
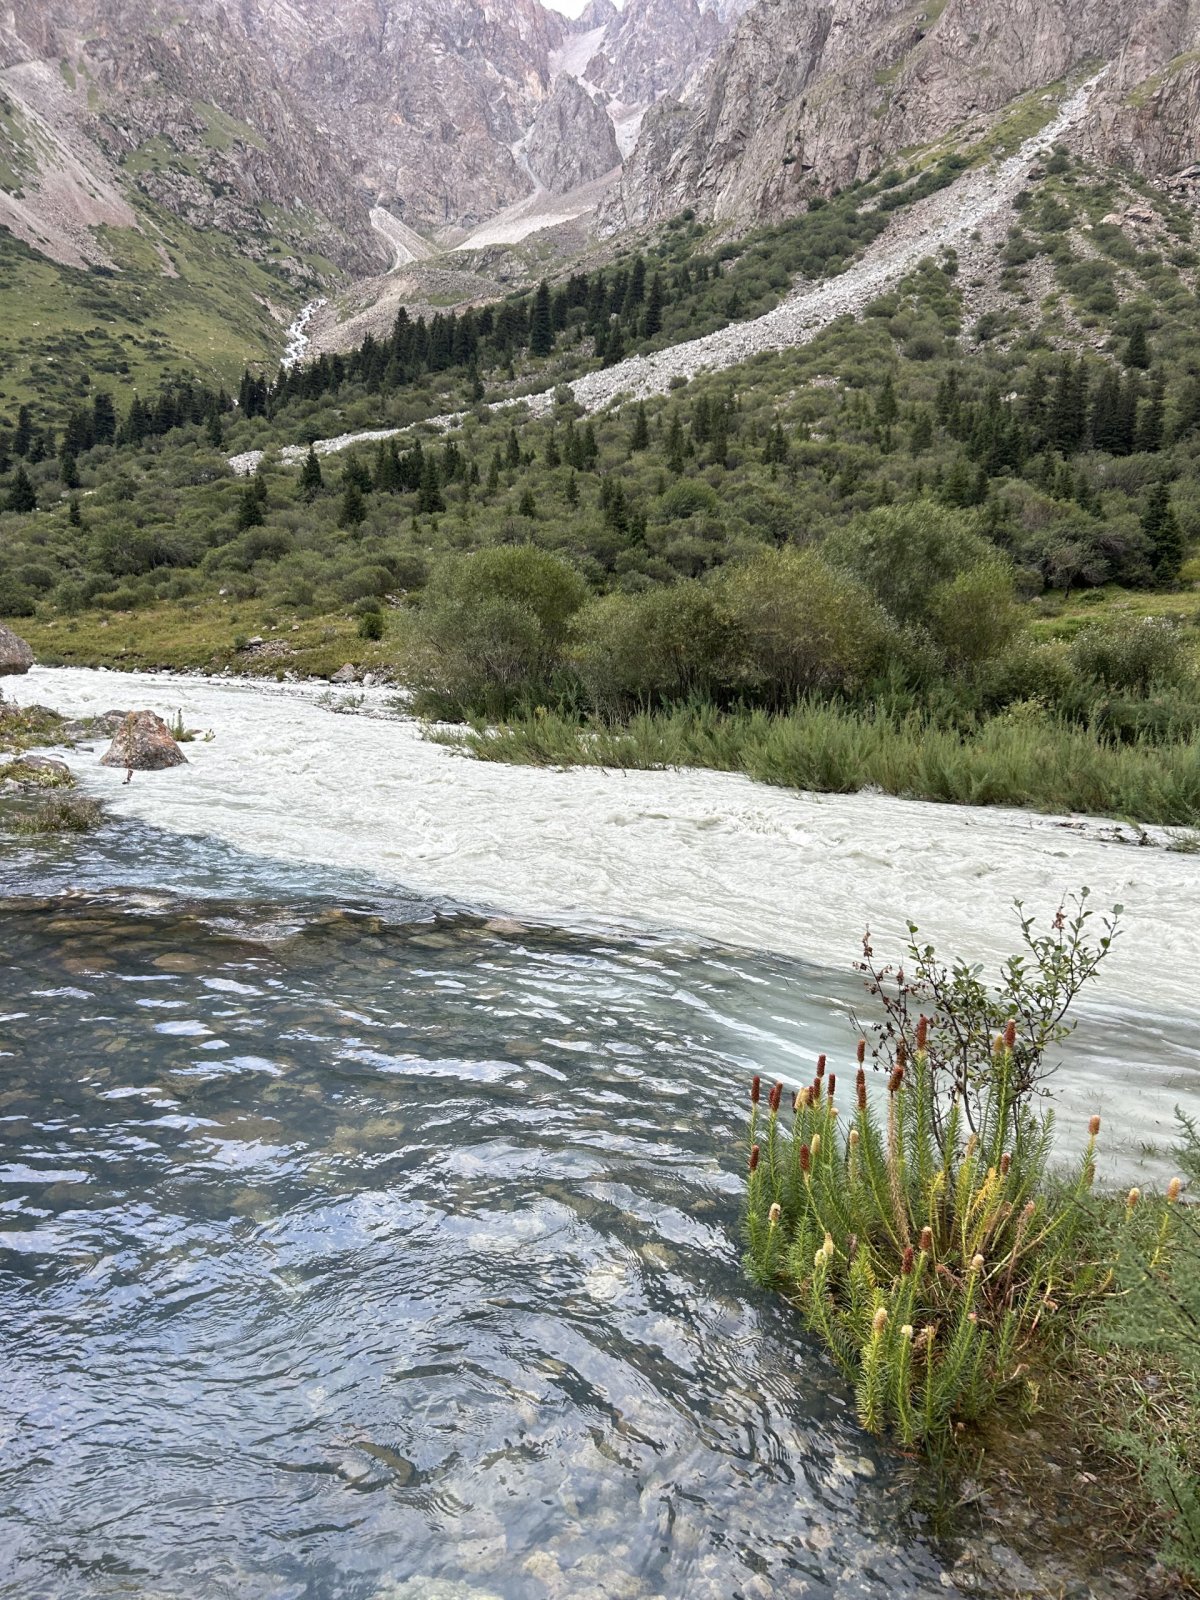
(710, 853)
(706, 854)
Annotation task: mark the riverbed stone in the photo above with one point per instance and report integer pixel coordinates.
(143, 743)
(16, 657)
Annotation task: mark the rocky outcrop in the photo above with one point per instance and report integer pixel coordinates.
(15, 655)
(572, 141)
(656, 49)
(143, 743)
(805, 97)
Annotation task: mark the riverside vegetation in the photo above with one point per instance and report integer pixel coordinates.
(961, 1282)
(949, 557)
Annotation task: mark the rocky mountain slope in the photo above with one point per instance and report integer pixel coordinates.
(806, 97)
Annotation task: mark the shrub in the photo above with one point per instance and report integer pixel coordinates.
(797, 625)
(926, 1245)
(905, 554)
(649, 649)
(1131, 653)
(62, 814)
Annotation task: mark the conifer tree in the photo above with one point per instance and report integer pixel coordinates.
(312, 480)
(541, 323)
(1137, 350)
(74, 514)
(512, 450)
(353, 509)
(23, 433)
(553, 455)
(652, 316)
(887, 409)
(527, 505)
(250, 511)
(429, 495)
(1163, 534)
(21, 494)
(639, 438)
(214, 431)
(572, 491)
(68, 472)
(104, 418)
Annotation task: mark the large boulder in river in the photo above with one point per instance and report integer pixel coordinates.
(143, 743)
(15, 654)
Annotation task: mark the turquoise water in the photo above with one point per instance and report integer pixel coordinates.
(351, 1246)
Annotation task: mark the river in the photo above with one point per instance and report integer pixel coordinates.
(370, 1150)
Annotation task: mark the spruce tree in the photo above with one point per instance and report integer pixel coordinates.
(572, 491)
(429, 495)
(652, 316)
(512, 450)
(250, 512)
(74, 515)
(1137, 350)
(104, 419)
(887, 409)
(312, 480)
(553, 456)
(23, 433)
(541, 323)
(1163, 534)
(527, 505)
(214, 432)
(68, 472)
(639, 438)
(21, 494)
(353, 509)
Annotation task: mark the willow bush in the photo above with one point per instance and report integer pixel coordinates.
(919, 1230)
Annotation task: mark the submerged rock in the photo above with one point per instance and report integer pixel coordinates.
(15, 655)
(143, 743)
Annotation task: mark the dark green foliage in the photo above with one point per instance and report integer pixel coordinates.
(22, 497)
(353, 508)
(312, 480)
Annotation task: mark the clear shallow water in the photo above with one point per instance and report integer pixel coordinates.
(342, 1252)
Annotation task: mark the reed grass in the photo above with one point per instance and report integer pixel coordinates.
(1038, 762)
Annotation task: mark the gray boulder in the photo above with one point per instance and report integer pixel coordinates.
(15, 654)
(143, 743)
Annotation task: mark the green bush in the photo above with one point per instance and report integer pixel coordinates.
(649, 649)
(1131, 654)
(920, 1234)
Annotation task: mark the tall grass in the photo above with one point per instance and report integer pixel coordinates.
(1035, 761)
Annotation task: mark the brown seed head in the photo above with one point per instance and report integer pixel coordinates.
(896, 1079)
(831, 1085)
(901, 1054)
(922, 1032)
(815, 1087)
(861, 1087)
(755, 1089)
(776, 1097)
(1010, 1035)
(1094, 1127)
(1005, 1164)
(862, 1051)
(926, 1240)
(820, 1066)
(906, 1264)
(805, 1158)
(1132, 1198)
(755, 1153)
(1174, 1190)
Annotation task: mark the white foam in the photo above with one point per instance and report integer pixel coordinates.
(707, 853)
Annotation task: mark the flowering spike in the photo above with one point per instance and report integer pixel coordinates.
(862, 1051)
(861, 1086)
(906, 1264)
(827, 1247)
(896, 1079)
(776, 1097)
(820, 1066)
(1005, 1164)
(755, 1089)
(853, 1138)
(977, 1263)
(816, 1145)
(1174, 1190)
(805, 1158)
(755, 1153)
(906, 1332)
(901, 1054)
(879, 1321)
(1010, 1035)
(774, 1214)
(926, 1240)
(1094, 1127)
(1132, 1198)
(922, 1032)
(815, 1088)
(831, 1085)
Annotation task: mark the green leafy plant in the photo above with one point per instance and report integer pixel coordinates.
(920, 1233)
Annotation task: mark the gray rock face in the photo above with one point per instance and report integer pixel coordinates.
(572, 140)
(143, 743)
(805, 97)
(657, 47)
(15, 655)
